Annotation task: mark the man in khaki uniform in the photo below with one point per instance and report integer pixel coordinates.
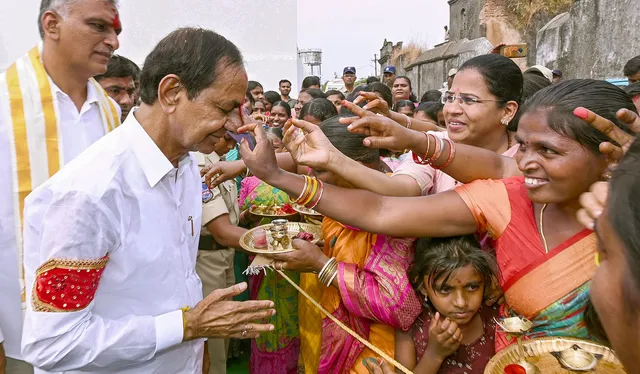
(219, 235)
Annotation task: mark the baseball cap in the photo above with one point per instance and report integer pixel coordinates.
(349, 69)
(558, 73)
(452, 72)
(390, 69)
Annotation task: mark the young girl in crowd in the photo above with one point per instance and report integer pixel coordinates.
(270, 98)
(280, 114)
(336, 98)
(455, 333)
(256, 90)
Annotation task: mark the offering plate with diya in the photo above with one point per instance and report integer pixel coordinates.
(555, 355)
(277, 237)
(518, 326)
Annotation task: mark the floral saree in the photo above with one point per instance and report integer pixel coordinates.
(275, 352)
(374, 298)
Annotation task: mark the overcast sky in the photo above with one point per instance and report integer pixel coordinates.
(349, 32)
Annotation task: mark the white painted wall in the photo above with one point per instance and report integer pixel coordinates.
(264, 30)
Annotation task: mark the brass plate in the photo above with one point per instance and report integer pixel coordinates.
(306, 211)
(293, 228)
(538, 352)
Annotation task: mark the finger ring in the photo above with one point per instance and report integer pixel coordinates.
(244, 333)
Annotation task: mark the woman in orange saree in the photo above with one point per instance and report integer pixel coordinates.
(371, 292)
(531, 218)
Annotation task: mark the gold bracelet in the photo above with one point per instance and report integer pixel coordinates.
(330, 281)
(313, 192)
(332, 274)
(184, 318)
(329, 271)
(308, 186)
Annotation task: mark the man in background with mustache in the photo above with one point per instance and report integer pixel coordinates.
(120, 83)
(50, 111)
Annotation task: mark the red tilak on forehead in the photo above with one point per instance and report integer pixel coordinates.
(116, 22)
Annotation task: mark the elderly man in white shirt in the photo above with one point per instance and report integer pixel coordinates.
(111, 240)
(50, 111)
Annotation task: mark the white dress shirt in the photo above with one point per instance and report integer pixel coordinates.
(78, 130)
(122, 198)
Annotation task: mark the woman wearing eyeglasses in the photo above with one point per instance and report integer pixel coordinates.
(483, 100)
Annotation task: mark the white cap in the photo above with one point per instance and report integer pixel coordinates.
(545, 71)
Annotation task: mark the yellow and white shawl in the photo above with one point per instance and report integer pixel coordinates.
(34, 135)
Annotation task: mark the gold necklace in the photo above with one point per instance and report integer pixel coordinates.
(544, 240)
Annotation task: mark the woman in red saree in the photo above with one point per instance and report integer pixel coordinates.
(530, 217)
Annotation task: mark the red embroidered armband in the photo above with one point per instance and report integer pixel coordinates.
(67, 285)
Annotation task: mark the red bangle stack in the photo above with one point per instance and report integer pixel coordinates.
(439, 149)
(452, 154)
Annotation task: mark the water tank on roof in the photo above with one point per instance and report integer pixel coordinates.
(311, 56)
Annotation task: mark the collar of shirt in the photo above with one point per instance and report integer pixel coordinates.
(92, 95)
(153, 162)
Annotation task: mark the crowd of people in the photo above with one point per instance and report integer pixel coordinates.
(125, 193)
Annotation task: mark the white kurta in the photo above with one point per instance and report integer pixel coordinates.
(78, 130)
(122, 198)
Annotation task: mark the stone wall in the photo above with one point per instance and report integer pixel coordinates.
(495, 23)
(593, 40)
(464, 19)
(429, 72)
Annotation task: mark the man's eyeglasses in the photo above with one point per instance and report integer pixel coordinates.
(463, 99)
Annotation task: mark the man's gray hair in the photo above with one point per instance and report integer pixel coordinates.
(59, 6)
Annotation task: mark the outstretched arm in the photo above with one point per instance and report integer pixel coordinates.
(385, 133)
(443, 215)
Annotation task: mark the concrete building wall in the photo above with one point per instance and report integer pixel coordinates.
(464, 19)
(267, 43)
(593, 40)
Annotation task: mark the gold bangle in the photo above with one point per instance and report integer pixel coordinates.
(312, 192)
(184, 318)
(330, 281)
(306, 192)
(324, 268)
(329, 271)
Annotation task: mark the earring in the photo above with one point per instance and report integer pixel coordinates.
(425, 302)
(505, 122)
